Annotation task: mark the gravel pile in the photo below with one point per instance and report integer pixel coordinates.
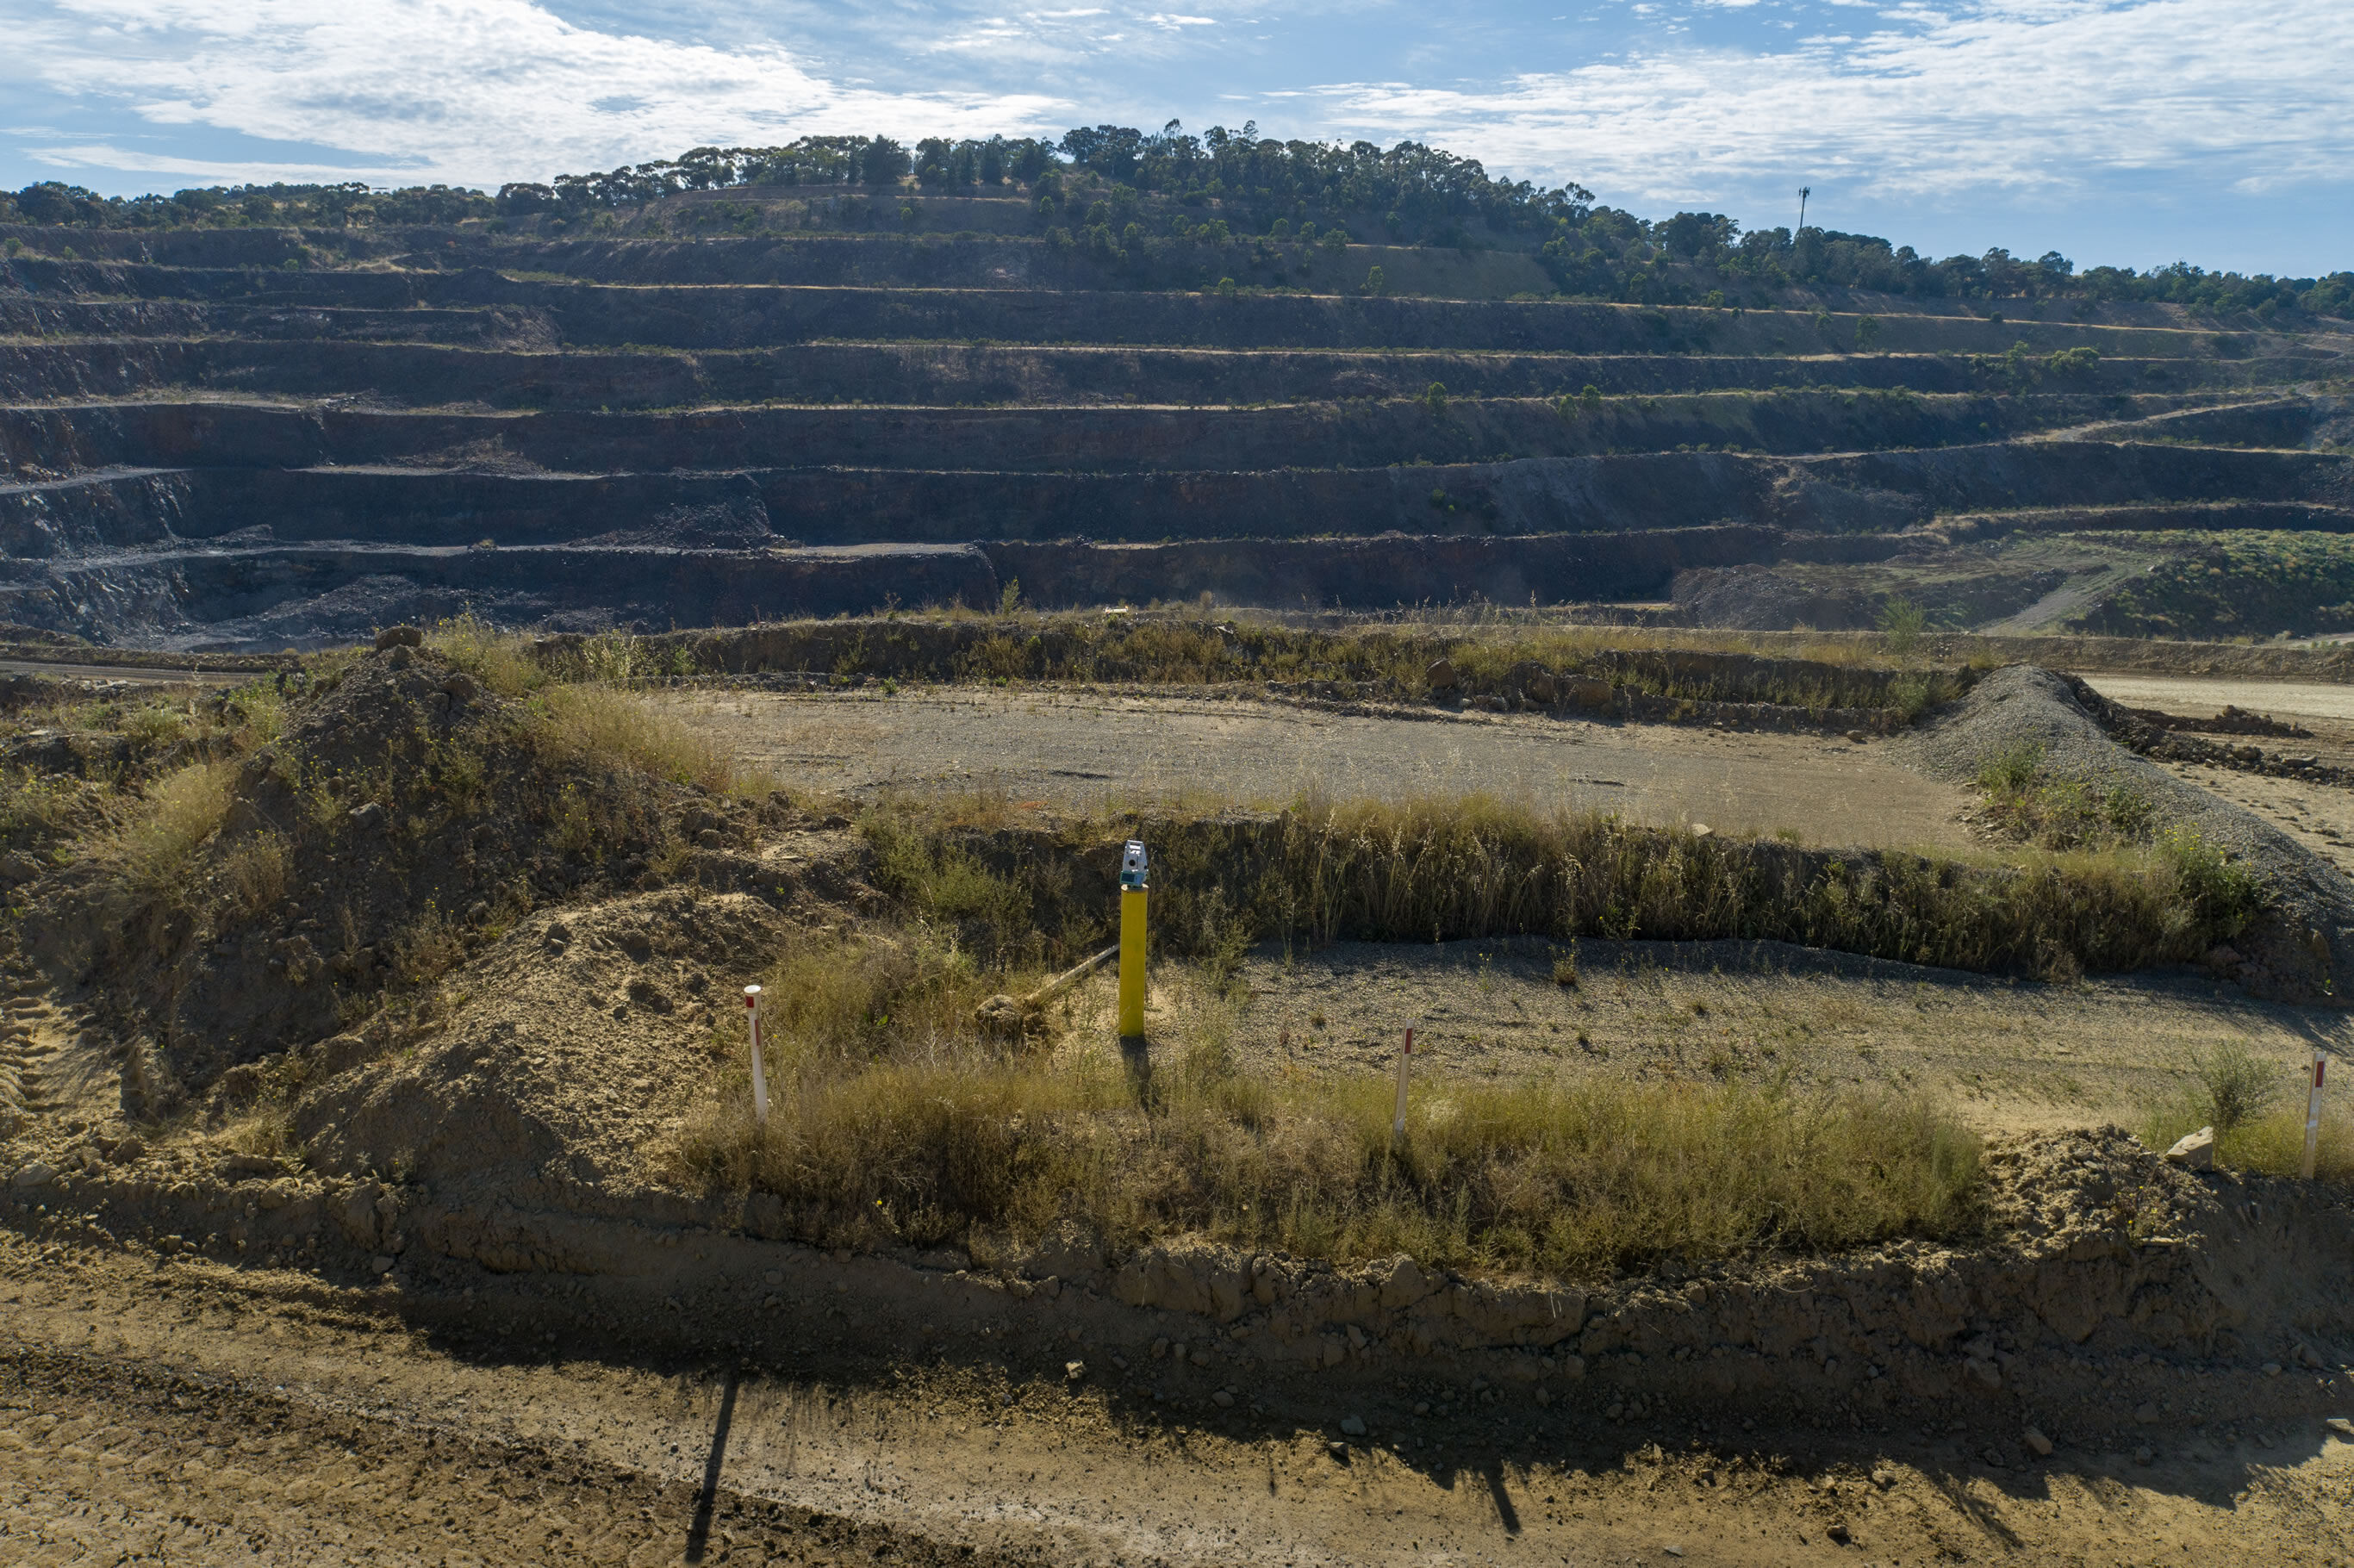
(2293, 952)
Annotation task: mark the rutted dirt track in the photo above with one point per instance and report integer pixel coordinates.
(1078, 748)
(185, 1412)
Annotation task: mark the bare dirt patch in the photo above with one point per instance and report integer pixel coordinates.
(2010, 1056)
(1084, 750)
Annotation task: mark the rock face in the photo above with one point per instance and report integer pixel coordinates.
(569, 434)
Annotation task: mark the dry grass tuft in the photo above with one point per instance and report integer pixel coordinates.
(256, 871)
(607, 725)
(154, 852)
(496, 658)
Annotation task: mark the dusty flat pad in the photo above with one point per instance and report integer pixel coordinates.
(2203, 697)
(2009, 1056)
(1073, 749)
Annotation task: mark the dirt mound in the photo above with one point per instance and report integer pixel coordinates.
(585, 1033)
(403, 816)
(2302, 945)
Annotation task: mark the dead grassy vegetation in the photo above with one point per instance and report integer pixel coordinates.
(1435, 870)
(1364, 660)
(894, 1119)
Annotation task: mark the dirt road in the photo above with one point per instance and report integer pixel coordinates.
(182, 1412)
(1076, 750)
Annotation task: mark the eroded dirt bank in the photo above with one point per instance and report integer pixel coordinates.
(190, 1410)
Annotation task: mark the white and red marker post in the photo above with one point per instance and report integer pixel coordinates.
(1405, 1063)
(2312, 1110)
(759, 1075)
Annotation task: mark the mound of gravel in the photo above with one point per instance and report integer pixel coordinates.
(2295, 949)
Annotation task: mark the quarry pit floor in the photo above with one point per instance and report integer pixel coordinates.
(1073, 750)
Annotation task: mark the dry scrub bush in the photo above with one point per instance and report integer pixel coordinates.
(256, 870)
(942, 1139)
(2257, 1110)
(1360, 659)
(2272, 1144)
(494, 658)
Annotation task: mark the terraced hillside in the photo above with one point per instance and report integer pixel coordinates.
(255, 437)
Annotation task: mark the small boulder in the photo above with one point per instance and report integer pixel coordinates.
(1440, 675)
(1402, 1283)
(2037, 1443)
(1075, 1371)
(1353, 1426)
(36, 1174)
(2341, 1426)
(461, 687)
(2194, 1150)
(1858, 736)
(399, 637)
(1983, 1372)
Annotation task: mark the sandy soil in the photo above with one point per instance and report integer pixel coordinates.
(1078, 750)
(177, 1412)
(2010, 1056)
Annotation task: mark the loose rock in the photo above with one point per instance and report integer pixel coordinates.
(2194, 1150)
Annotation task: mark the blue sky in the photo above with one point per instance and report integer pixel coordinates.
(2132, 132)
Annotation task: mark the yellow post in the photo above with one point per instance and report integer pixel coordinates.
(1132, 895)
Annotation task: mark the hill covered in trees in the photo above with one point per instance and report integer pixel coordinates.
(1173, 209)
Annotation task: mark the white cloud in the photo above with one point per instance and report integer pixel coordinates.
(473, 91)
(2031, 96)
